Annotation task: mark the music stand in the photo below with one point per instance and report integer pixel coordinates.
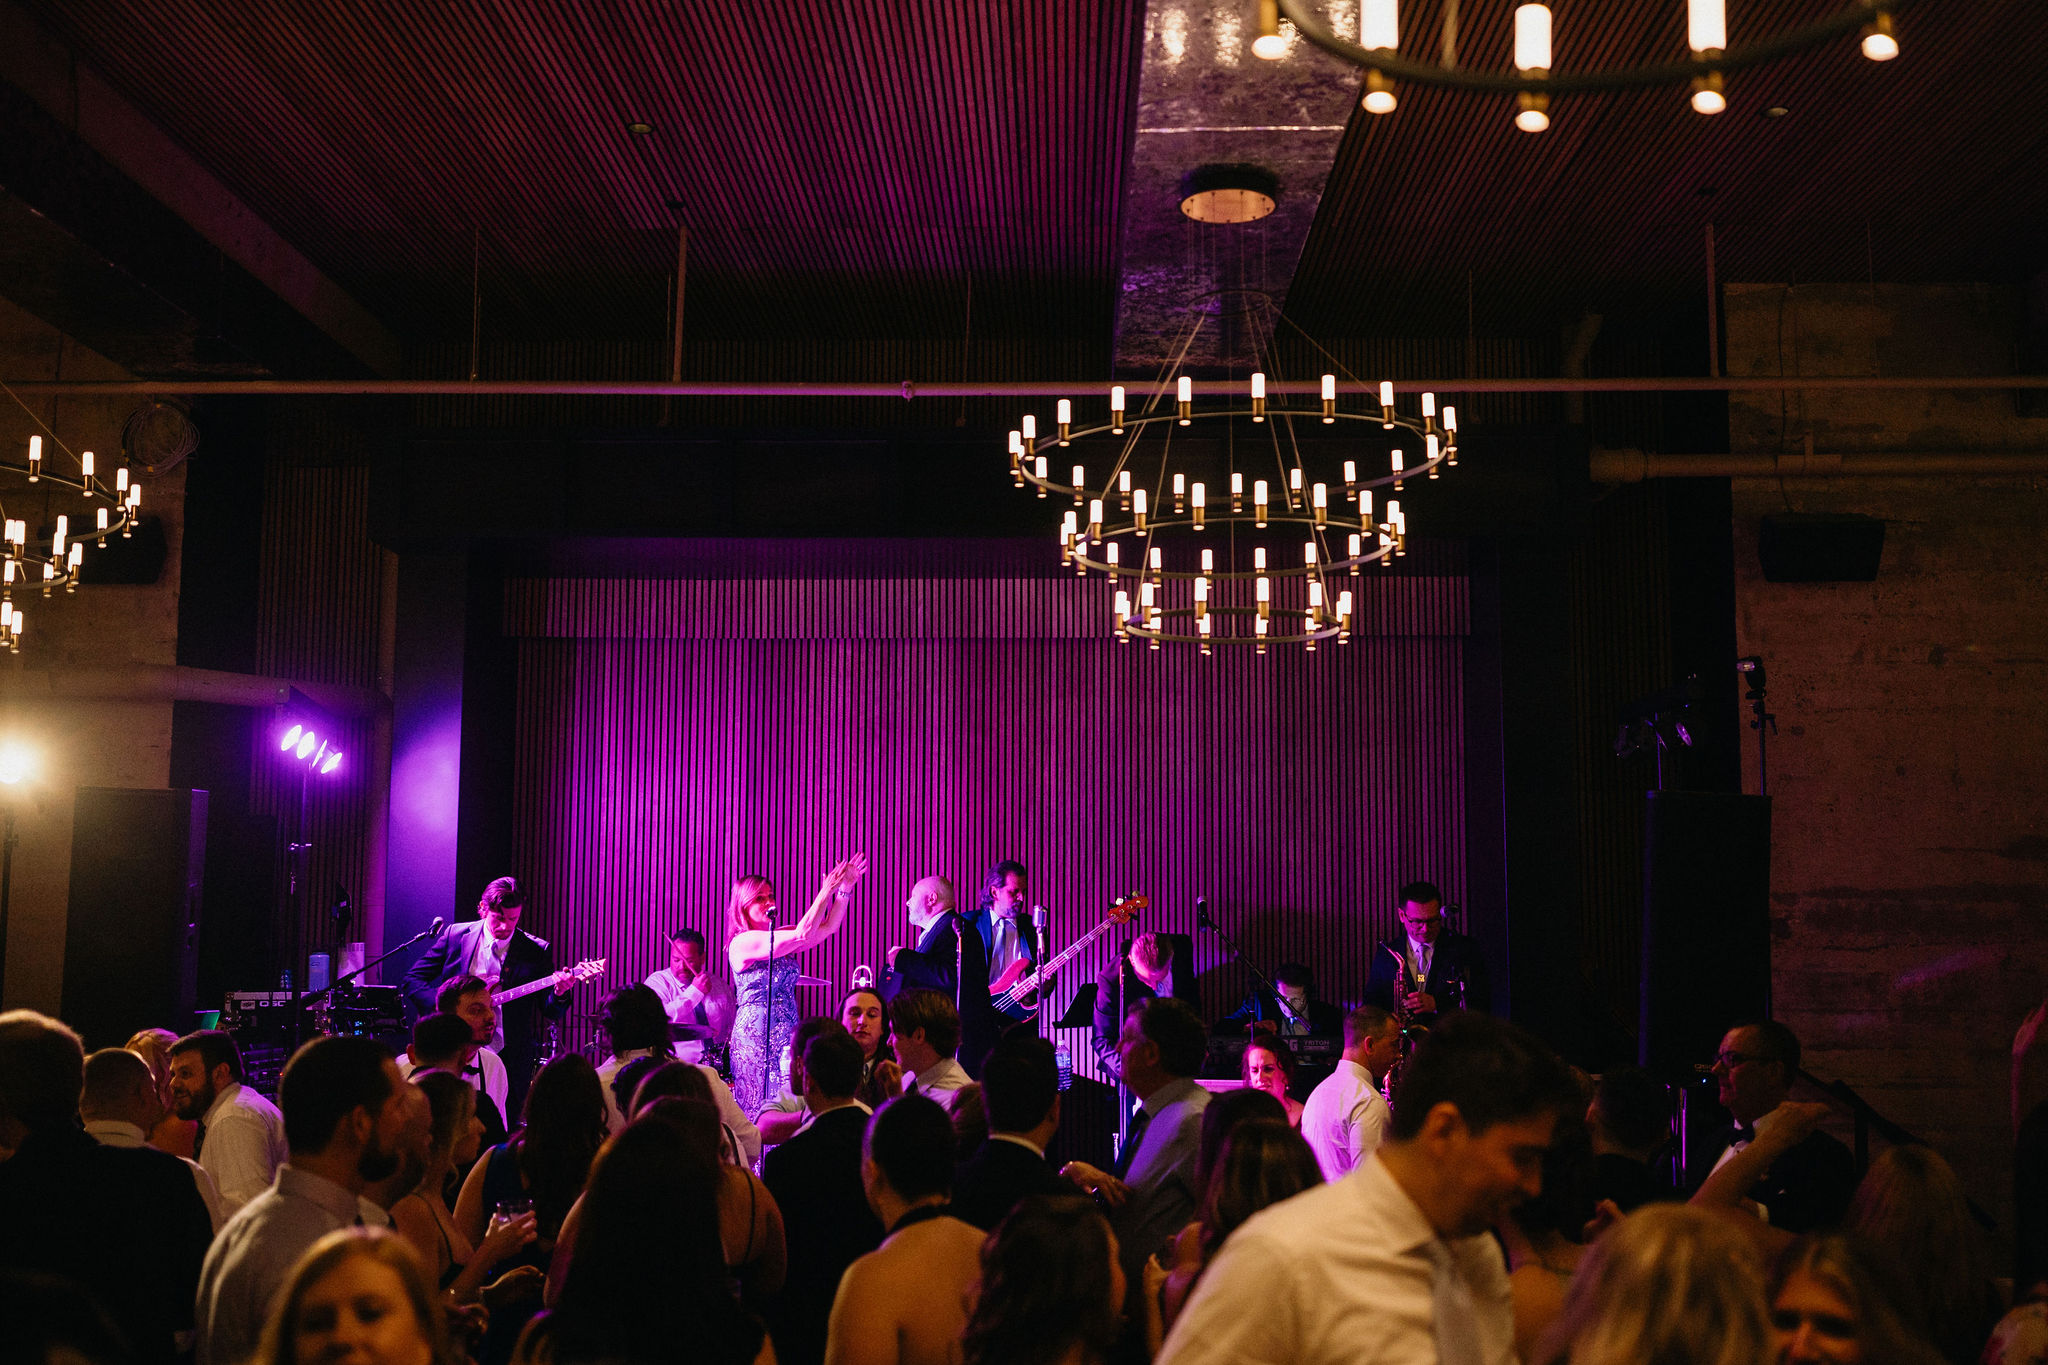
(1081, 1012)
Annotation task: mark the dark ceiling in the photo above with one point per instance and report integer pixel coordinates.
(855, 169)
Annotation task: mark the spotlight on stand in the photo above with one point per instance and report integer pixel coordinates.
(309, 734)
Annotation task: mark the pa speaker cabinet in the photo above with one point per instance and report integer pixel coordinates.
(131, 943)
(1706, 924)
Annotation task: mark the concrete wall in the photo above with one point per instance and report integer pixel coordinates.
(105, 627)
(1910, 771)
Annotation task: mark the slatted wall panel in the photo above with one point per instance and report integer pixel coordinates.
(673, 735)
(317, 620)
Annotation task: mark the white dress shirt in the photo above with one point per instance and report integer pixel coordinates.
(114, 1133)
(241, 1145)
(254, 1255)
(1340, 1273)
(485, 1073)
(1345, 1119)
(708, 1000)
(941, 1082)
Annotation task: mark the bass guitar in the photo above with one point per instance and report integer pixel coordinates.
(576, 975)
(1008, 991)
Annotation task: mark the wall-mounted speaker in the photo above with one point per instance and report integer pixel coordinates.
(131, 942)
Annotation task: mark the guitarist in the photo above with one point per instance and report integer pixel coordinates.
(494, 948)
(1005, 926)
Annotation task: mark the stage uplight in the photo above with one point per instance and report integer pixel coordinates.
(306, 742)
(332, 762)
(309, 734)
(291, 737)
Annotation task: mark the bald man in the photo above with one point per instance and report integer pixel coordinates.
(118, 1105)
(948, 952)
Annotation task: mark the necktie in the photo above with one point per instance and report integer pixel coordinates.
(910, 1086)
(1006, 950)
(1131, 1140)
(1453, 1313)
(198, 1139)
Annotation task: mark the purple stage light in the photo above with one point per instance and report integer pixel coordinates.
(291, 737)
(333, 762)
(306, 742)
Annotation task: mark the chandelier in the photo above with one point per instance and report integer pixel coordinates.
(57, 554)
(1533, 82)
(1238, 535)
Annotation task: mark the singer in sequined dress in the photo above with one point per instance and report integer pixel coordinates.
(767, 1013)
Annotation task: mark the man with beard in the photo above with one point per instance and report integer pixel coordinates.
(240, 1141)
(415, 1138)
(344, 1122)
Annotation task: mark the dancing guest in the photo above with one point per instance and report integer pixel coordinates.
(1268, 1065)
(647, 1280)
(240, 1139)
(545, 1163)
(1020, 1089)
(766, 990)
(359, 1295)
(905, 1302)
(695, 997)
(168, 1133)
(120, 1105)
(636, 1026)
(1051, 1288)
(1835, 1297)
(951, 959)
(925, 1031)
(1346, 1116)
(468, 998)
(423, 1217)
(790, 1113)
(866, 1017)
(1911, 1203)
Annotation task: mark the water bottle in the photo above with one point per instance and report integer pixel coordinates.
(284, 981)
(1063, 1058)
(317, 968)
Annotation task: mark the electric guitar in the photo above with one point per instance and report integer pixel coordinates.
(1007, 991)
(576, 975)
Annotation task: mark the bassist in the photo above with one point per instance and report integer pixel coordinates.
(1005, 926)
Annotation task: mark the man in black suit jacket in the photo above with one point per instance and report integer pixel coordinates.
(816, 1179)
(1811, 1178)
(124, 1223)
(1304, 1013)
(495, 948)
(948, 953)
(1150, 965)
(1449, 966)
(1020, 1090)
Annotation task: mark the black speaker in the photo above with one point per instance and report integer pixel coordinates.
(1800, 547)
(1706, 924)
(131, 942)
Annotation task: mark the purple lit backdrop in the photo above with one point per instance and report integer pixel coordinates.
(674, 734)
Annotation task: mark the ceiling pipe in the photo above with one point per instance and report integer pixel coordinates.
(164, 682)
(910, 388)
(1634, 466)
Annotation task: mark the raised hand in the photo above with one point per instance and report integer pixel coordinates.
(506, 1237)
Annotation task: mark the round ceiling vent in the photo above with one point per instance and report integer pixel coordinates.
(1228, 193)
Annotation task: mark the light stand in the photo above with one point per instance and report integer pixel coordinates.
(1760, 719)
(1230, 946)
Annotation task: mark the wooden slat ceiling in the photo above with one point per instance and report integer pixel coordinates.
(854, 169)
(844, 166)
(1924, 168)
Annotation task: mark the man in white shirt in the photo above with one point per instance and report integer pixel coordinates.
(468, 998)
(347, 1115)
(241, 1140)
(1346, 1117)
(448, 1042)
(695, 994)
(924, 1028)
(119, 1098)
(1396, 1262)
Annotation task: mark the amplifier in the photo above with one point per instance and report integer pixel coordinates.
(1226, 1053)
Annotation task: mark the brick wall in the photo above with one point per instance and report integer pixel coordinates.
(1910, 771)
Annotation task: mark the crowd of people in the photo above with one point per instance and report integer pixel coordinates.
(875, 1203)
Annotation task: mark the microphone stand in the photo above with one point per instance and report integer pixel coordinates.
(312, 998)
(768, 1058)
(1229, 945)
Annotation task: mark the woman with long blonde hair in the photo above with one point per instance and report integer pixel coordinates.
(766, 990)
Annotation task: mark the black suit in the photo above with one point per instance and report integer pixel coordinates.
(1119, 982)
(1457, 971)
(991, 1182)
(942, 953)
(815, 1178)
(526, 959)
(126, 1223)
(1806, 1189)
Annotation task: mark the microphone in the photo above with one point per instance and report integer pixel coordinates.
(437, 926)
(1038, 921)
(1202, 910)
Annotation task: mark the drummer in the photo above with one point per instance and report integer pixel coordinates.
(698, 999)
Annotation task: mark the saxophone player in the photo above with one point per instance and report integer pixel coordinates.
(1427, 968)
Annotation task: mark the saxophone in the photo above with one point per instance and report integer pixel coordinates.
(1403, 1024)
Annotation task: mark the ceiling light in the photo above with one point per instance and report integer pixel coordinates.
(1774, 111)
(639, 128)
(1228, 194)
(57, 562)
(1269, 44)
(1534, 81)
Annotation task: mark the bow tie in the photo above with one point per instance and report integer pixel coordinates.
(1745, 1132)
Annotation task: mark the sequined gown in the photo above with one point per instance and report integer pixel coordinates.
(757, 1071)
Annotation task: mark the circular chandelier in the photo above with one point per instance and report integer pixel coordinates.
(55, 557)
(1533, 81)
(1245, 549)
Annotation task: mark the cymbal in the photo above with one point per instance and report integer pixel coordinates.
(812, 981)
